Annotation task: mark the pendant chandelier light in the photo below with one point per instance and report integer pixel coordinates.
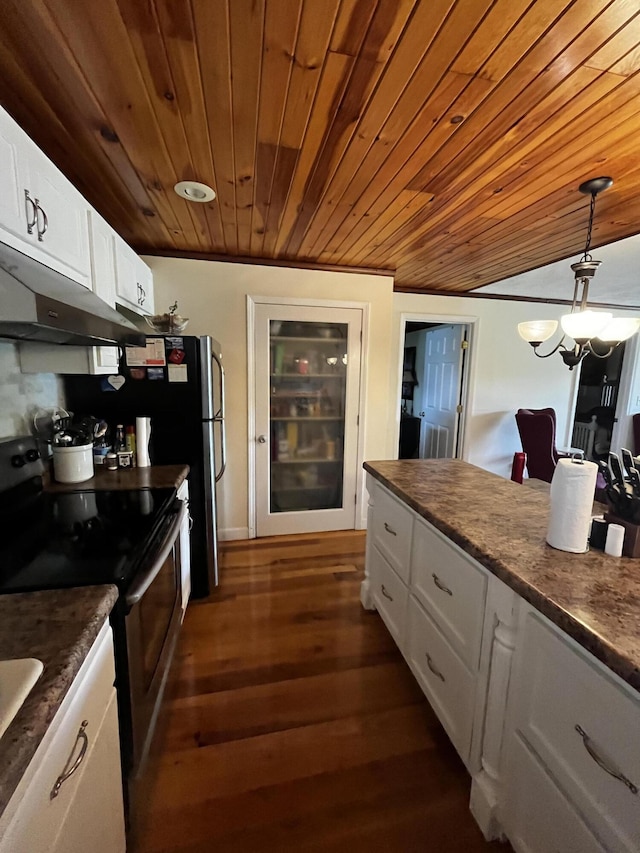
(595, 332)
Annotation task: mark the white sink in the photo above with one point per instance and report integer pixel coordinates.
(17, 678)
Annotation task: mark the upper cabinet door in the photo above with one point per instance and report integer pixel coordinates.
(17, 211)
(41, 213)
(134, 280)
(61, 219)
(103, 267)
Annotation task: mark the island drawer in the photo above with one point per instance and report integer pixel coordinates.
(390, 596)
(583, 725)
(540, 817)
(452, 588)
(391, 531)
(445, 680)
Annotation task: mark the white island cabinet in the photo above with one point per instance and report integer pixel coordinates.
(550, 736)
(70, 797)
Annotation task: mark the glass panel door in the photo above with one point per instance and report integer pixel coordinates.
(307, 408)
(307, 395)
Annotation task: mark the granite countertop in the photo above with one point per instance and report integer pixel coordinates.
(592, 597)
(57, 627)
(154, 477)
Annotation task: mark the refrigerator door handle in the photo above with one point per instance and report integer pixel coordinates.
(223, 449)
(219, 417)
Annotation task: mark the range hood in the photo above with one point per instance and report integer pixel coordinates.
(39, 304)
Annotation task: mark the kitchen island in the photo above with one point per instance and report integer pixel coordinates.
(530, 656)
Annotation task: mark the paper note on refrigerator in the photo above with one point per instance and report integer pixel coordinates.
(151, 355)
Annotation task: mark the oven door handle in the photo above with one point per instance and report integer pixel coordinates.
(144, 581)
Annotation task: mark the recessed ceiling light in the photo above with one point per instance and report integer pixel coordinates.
(194, 191)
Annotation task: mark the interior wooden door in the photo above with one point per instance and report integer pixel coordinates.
(307, 381)
(442, 379)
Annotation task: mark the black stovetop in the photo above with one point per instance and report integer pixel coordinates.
(53, 540)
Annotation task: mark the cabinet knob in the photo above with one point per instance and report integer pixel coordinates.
(262, 439)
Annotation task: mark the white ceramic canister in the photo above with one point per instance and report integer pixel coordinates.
(73, 464)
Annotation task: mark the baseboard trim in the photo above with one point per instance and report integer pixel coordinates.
(229, 533)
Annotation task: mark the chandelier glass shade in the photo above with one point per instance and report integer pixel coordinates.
(595, 332)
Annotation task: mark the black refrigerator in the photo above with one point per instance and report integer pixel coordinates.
(177, 382)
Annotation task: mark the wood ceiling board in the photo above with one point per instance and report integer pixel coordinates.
(314, 38)
(325, 126)
(372, 227)
(182, 54)
(559, 166)
(100, 42)
(414, 71)
(383, 31)
(65, 119)
(211, 26)
(280, 33)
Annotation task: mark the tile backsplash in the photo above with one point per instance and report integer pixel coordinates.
(21, 394)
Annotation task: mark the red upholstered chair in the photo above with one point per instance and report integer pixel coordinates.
(537, 428)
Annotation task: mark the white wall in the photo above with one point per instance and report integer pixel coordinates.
(504, 373)
(213, 296)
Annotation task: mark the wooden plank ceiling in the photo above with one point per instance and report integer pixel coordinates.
(441, 139)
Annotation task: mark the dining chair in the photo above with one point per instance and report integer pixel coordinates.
(537, 428)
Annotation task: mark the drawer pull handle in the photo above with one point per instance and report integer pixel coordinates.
(385, 593)
(70, 768)
(389, 529)
(588, 745)
(433, 668)
(440, 585)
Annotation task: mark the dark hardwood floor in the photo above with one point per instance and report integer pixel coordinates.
(292, 722)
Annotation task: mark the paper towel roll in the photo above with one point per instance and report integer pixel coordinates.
(143, 433)
(572, 491)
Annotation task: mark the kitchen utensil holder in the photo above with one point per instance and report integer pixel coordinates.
(631, 547)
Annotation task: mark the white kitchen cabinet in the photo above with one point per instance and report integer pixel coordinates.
(390, 596)
(551, 736)
(447, 683)
(185, 549)
(52, 358)
(134, 280)
(41, 213)
(70, 797)
(581, 726)
(431, 598)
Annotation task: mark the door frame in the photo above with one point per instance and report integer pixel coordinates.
(252, 302)
(467, 375)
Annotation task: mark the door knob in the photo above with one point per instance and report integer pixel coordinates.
(262, 439)
(421, 414)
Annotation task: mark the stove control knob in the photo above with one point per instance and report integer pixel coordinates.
(18, 461)
(32, 455)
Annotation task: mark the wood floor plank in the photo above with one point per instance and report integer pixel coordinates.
(292, 722)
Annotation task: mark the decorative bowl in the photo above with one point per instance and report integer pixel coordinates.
(168, 324)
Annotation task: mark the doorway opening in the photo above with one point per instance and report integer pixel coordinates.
(433, 386)
(596, 404)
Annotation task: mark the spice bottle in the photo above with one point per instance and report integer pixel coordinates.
(130, 439)
(119, 443)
